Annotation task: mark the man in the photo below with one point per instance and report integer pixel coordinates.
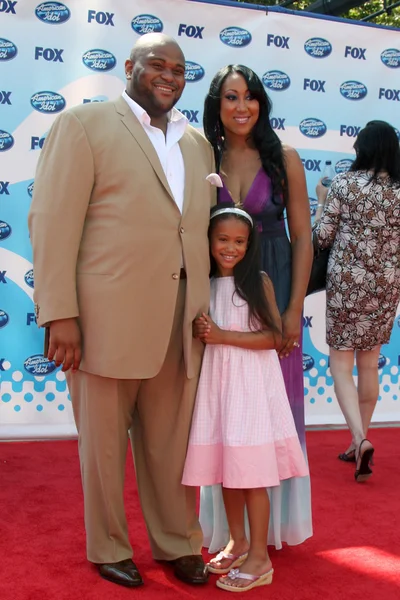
(118, 225)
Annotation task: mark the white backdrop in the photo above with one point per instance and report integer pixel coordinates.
(326, 79)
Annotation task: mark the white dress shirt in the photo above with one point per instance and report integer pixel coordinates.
(167, 147)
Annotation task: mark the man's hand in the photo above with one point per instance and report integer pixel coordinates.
(65, 344)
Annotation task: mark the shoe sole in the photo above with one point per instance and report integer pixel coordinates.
(364, 472)
(118, 582)
(191, 581)
(263, 580)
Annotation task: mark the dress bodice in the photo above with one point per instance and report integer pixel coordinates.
(261, 203)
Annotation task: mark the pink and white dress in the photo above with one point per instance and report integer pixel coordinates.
(243, 434)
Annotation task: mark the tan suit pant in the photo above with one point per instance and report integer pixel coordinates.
(156, 413)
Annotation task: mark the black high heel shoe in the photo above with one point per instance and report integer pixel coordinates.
(364, 472)
(349, 456)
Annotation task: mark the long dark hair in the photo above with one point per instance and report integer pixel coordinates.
(377, 149)
(247, 273)
(263, 136)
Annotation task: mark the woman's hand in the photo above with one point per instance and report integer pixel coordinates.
(291, 331)
(207, 331)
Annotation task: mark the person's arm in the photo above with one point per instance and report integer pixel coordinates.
(327, 226)
(208, 332)
(267, 339)
(299, 223)
(63, 184)
(321, 193)
(273, 309)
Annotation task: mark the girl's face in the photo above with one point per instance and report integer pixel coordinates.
(239, 111)
(228, 244)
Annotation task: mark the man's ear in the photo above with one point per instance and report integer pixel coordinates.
(128, 68)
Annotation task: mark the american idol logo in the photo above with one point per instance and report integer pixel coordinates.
(382, 360)
(313, 206)
(312, 128)
(4, 318)
(29, 278)
(39, 365)
(48, 102)
(235, 37)
(276, 80)
(54, 13)
(318, 47)
(99, 60)
(308, 362)
(343, 165)
(142, 24)
(193, 71)
(391, 58)
(353, 90)
(6, 140)
(29, 189)
(5, 230)
(8, 50)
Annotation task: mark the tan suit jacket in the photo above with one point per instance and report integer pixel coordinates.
(108, 238)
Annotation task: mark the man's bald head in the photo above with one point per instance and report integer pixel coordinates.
(155, 73)
(148, 42)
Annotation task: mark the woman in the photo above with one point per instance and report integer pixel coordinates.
(265, 178)
(361, 222)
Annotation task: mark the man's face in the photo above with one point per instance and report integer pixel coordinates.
(157, 78)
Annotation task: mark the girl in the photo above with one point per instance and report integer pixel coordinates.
(243, 434)
(267, 179)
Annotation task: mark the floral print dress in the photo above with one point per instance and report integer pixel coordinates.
(361, 223)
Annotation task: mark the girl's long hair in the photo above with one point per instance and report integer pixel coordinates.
(377, 149)
(263, 136)
(249, 284)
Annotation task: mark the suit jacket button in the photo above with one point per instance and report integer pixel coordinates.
(175, 276)
(181, 230)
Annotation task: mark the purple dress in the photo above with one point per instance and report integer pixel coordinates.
(291, 501)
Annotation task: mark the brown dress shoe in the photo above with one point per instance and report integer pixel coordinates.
(124, 572)
(191, 569)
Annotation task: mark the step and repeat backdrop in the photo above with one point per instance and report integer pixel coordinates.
(326, 79)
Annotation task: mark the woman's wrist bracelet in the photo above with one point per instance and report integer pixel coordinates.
(320, 205)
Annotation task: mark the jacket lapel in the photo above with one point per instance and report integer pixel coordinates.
(135, 128)
(185, 144)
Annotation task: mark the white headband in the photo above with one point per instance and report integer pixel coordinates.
(233, 211)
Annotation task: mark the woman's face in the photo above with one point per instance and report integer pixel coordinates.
(239, 111)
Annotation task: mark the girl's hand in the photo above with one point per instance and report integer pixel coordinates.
(207, 331)
(291, 331)
(200, 327)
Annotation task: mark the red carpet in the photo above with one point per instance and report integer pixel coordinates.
(354, 554)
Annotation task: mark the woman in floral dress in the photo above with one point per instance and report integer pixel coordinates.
(361, 223)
